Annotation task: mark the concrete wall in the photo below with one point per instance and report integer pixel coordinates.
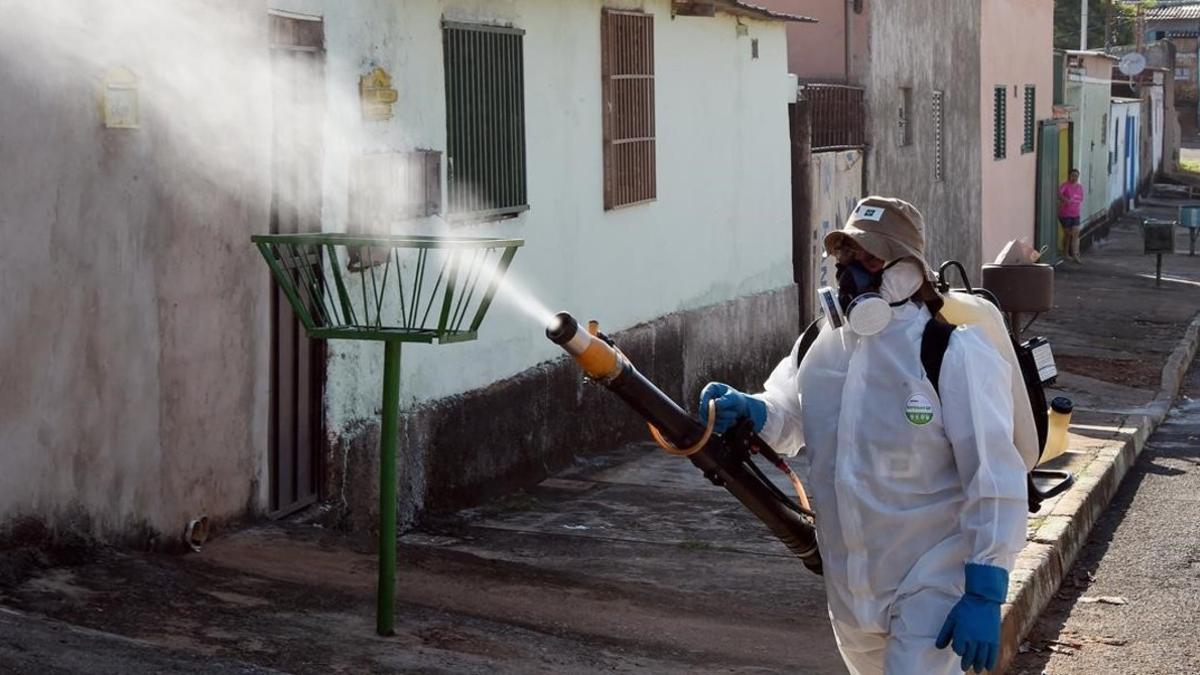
(1172, 132)
(1088, 90)
(1156, 126)
(719, 231)
(1185, 58)
(820, 52)
(835, 182)
(1016, 47)
(918, 45)
(134, 318)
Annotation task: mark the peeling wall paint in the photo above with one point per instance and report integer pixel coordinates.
(134, 318)
(463, 450)
(835, 181)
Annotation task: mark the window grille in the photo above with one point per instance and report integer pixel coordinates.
(838, 120)
(938, 119)
(627, 80)
(485, 120)
(904, 118)
(1000, 123)
(1030, 111)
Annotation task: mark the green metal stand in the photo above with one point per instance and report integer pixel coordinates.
(386, 289)
(385, 609)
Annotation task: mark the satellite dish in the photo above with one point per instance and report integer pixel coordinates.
(1132, 63)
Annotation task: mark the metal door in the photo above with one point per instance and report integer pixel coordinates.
(297, 363)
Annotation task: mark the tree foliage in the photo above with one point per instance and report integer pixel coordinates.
(1122, 16)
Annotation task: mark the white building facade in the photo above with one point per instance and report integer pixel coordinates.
(706, 221)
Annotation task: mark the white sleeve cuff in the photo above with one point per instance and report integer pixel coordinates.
(773, 427)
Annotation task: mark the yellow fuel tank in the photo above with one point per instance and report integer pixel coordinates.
(965, 309)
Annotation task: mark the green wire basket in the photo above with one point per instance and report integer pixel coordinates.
(393, 289)
(404, 288)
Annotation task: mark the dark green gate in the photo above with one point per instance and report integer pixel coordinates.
(1054, 153)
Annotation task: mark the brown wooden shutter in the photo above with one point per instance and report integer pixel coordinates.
(627, 76)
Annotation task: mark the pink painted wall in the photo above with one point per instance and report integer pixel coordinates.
(1016, 48)
(817, 51)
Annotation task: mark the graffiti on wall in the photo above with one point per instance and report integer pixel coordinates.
(836, 184)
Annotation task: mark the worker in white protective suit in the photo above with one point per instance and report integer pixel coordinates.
(919, 492)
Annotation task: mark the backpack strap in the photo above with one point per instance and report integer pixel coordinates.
(807, 339)
(934, 342)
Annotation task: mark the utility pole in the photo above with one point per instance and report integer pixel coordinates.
(1139, 27)
(1083, 24)
(1107, 24)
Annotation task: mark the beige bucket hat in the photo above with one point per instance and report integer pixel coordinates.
(888, 228)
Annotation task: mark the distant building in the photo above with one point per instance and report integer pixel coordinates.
(1087, 102)
(1179, 22)
(955, 100)
(833, 50)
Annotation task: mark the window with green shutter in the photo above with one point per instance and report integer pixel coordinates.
(1000, 123)
(1030, 110)
(485, 120)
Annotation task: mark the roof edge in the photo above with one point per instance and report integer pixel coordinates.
(1090, 52)
(736, 8)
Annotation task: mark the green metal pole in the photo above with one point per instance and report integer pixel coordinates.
(386, 597)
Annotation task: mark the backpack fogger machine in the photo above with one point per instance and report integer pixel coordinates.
(726, 459)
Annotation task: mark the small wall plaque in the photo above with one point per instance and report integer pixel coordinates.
(378, 96)
(121, 107)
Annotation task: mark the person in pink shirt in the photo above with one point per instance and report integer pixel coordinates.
(1070, 200)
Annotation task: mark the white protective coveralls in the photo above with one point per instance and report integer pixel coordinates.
(908, 486)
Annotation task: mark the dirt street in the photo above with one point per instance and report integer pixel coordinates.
(630, 562)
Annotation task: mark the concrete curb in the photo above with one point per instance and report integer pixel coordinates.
(1052, 550)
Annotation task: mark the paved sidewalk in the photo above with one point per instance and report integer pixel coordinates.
(1124, 345)
(629, 561)
(1129, 604)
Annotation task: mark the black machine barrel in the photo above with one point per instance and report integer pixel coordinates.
(724, 460)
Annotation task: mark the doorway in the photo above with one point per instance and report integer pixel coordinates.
(297, 363)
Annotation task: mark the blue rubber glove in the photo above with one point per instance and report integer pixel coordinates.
(732, 405)
(974, 623)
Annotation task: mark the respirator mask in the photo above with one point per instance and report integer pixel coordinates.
(863, 300)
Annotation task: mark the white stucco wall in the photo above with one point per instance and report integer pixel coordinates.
(719, 229)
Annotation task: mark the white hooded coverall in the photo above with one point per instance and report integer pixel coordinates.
(908, 486)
